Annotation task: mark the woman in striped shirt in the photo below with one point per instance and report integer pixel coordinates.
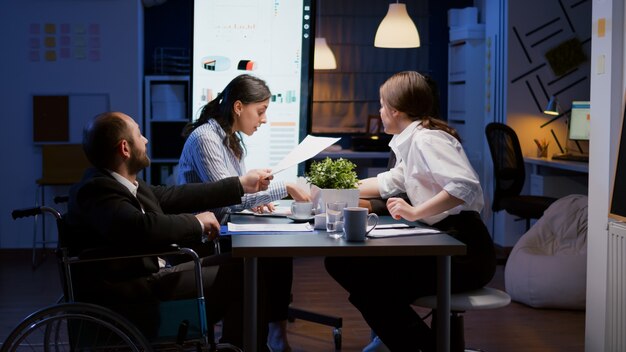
(214, 150)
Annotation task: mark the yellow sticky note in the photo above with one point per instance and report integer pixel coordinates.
(50, 28)
(51, 55)
(50, 42)
(601, 27)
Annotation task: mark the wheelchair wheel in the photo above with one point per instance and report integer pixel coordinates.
(75, 327)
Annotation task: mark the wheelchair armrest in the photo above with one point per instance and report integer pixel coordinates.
(110, 253)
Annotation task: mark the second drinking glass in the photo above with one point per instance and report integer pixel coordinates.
(334, 218)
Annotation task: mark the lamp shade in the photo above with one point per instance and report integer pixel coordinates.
(397, 30)
(324, 58)
(553, 107)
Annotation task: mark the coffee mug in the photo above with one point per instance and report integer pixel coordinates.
(301, 210)
(355, 223)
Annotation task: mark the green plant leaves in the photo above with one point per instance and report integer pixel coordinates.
(329, 173)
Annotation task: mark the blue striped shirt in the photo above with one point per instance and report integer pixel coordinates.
(205, 158)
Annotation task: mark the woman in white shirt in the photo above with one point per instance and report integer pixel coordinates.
(444, 192)
(213, 151)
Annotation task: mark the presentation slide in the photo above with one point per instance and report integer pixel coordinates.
(268, 39)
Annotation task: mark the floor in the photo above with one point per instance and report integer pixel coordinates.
(511, 329)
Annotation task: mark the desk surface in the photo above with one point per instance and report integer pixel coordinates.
(318, 243)
(577, 166)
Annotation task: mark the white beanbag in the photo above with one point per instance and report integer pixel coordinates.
(548, 265)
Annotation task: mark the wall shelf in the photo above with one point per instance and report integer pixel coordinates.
(166, 112)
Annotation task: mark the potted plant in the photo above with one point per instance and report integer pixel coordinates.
(333, 180)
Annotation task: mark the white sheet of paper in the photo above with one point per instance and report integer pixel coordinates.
(308, 148)
(394, 231)
(232, 227)
(278, 211)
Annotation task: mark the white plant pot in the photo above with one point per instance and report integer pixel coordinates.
(321, 196)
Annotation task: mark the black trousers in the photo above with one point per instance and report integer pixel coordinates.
(275, 278)
(383, 288)
(138, 298)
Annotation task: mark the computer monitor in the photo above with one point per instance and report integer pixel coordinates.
(579, 123)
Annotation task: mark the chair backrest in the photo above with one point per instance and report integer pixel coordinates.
(508, 162)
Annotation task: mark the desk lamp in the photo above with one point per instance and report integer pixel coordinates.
(552, 109)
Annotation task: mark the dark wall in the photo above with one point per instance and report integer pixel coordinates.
(438, 54)
(168, 25)
(171, 24)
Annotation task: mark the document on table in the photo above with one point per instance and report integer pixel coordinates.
(298, 227)
(279, 212)
(308, 148)
(395, 230)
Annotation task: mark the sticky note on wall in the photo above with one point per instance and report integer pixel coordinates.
(601, 27)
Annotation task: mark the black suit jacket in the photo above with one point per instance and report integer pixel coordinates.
(103, 213)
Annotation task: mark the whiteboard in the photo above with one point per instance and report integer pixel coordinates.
(268, 39)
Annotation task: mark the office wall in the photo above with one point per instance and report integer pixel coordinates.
(532, 78)
(89, 50)
(520, 81)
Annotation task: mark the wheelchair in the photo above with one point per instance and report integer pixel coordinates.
(70, 325)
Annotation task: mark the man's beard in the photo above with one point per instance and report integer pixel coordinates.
(137, 163)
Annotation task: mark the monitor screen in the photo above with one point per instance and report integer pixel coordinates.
(271, 40)
(579, 123)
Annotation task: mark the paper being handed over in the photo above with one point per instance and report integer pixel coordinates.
(308, 148)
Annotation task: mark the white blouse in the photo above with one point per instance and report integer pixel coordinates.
(205, 158)
(430, 161)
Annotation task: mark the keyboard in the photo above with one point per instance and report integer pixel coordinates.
(571, 157)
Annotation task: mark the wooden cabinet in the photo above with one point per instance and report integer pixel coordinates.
(166, 112)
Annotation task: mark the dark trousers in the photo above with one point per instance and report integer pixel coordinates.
(275, 277)
(138, 299)
(383, 288)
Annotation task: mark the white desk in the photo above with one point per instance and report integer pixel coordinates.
(557, 178)
(251, 247)
(537, 163)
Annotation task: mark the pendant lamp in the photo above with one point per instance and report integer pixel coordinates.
(324, 58)
(397, 30)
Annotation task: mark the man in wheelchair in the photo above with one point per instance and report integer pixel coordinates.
(112, 208)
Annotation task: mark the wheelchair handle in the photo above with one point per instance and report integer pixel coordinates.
(34, 211)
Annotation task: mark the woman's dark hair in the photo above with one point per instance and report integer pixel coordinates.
(245, 88)
(417, 96)
(101, 137)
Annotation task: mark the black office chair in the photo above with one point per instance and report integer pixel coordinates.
(509, 175)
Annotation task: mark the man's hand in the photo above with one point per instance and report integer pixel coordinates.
(256, 180)
(210, 224)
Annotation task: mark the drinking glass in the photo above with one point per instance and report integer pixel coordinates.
(334, 218)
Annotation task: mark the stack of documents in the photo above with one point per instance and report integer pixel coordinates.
(301, 227)
(394, 230)
(279, 211)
